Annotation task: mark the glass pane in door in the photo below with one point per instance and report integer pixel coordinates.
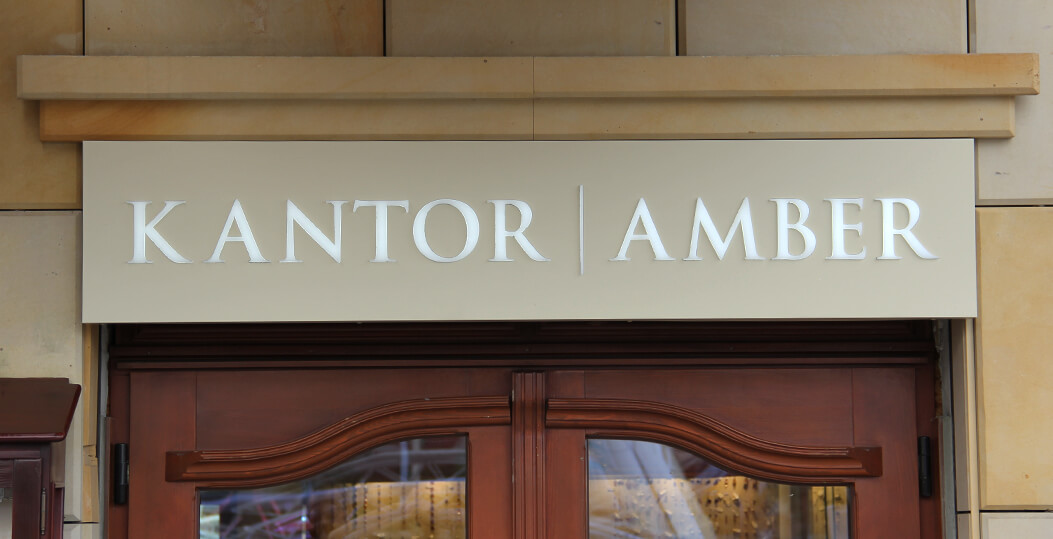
(403, 490)
(6, 513)
(649, 490)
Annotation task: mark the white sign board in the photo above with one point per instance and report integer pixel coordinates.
(528, 230)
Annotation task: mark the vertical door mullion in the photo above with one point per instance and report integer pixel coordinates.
(528, 454)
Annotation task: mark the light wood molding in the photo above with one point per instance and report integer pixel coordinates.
(384, 98)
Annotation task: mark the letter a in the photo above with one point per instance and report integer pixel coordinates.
(237, 215)
(642, 215)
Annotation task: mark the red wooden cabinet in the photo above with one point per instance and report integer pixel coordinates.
(35, 415)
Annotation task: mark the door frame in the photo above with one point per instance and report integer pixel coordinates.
(534, 347)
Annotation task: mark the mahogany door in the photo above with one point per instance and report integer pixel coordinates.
(542, 429)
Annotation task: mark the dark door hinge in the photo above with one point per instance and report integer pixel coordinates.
(924, 467)
(120, 474)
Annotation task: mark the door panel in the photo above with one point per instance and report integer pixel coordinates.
(162, 419)
(246, 409)
(804, 406)
(884, 408)
(875, 408)
(849, 406)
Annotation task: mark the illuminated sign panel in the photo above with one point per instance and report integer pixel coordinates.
(355, 231)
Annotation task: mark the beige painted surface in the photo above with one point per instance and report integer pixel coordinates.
(530, 28)
(579, 281)
(242, 28)
(1015, 335)
(1018, 171)
(1017, 526)
(35, 175)
(40, 330)
(747, 27)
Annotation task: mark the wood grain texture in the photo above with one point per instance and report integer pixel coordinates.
(117, 431)
(327, 447)
(162, 416)
(489, 490)
(528, 455)
(566, 466)
(713, 440)
(27, 479)
(883, 403)
(232, 403)
(37, 409)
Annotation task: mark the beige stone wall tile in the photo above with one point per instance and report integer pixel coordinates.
(40, 330)
(34, 175)
(1017, 526)
(1020, 170)
(1015, 336)
(534, 28)
(748, 27)
(236, 28)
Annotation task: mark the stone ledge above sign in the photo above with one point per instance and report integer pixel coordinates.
(275, 98)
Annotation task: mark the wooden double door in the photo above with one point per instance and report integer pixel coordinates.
(686, 431)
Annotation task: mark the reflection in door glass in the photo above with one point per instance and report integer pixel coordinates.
(649, 490)
(6, 513)
(403, 490)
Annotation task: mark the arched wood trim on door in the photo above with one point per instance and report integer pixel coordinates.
(709, 438)
(323, 449)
